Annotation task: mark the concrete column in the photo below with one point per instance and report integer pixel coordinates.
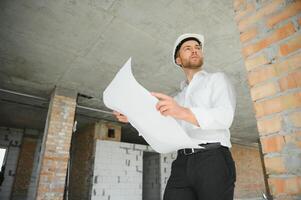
(270, 34)
(54, 154)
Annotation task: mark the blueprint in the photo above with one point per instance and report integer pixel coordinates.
(125, 95)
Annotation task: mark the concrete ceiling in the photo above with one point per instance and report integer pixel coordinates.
(82, 44)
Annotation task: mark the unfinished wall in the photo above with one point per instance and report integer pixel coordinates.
(34, 174)
(25, 167)
(10, 138)
(82, 163)
(118, 171)
(120, 162)
(21, 162)
(249, 172)
(165, 167)
(271, 41)
(151, 184)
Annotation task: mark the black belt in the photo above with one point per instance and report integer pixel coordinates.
(206, 147)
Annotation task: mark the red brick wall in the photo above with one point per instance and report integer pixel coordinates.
(270, 35)
(250, 176)
(55, 147)
(24, 168)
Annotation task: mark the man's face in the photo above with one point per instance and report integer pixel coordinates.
(190, 55)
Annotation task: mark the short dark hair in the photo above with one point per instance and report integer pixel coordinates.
(182, 42)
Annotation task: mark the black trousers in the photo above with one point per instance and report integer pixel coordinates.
(205, 175)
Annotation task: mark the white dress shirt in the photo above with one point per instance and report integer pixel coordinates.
(211, 98)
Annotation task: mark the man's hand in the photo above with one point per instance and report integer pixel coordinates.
(120, 117)
(169, 107)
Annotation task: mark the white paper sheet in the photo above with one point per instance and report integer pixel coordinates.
(125, 95)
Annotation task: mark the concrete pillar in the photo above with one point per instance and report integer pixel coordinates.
(54, 154)
(271, 47)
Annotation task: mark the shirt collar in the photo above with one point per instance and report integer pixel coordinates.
(196, 75)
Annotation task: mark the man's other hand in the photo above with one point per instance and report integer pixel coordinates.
(120, 117)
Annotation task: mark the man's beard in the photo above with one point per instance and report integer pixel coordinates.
(191, 65)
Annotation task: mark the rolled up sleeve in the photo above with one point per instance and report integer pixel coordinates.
(220, 114)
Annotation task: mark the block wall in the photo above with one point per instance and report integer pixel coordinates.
(118, 171)
(165, 168)
(151, 176)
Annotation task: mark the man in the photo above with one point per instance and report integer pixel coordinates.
(205, 110)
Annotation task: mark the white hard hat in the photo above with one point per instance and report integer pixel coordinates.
(183, 37)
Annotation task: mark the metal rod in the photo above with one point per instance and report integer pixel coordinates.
(22, 94)
(94, 109)
(46, 100)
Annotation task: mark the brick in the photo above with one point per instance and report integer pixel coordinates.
(54, 161)
(262, 91)
(291, 63)
(248, 35)
(288, 186)
(24, 168)
(277, 104)
(261, 75)
(103, 129)
(295, 119)
(240, 14)
(290, 46)
(252, 63)
(291, 101)
(291, 10)
(250, 177)
(294, 138)
(293, 80)
(279, 34)
(266, 10)
(272, 125)
(272, 144)
(274, 165)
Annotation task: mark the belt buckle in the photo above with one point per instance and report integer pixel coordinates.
(186, 154)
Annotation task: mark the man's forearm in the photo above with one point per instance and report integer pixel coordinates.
(188, 116)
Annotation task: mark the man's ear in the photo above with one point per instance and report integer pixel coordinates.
(178, 61)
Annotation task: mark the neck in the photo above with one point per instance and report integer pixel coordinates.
(190, 73)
